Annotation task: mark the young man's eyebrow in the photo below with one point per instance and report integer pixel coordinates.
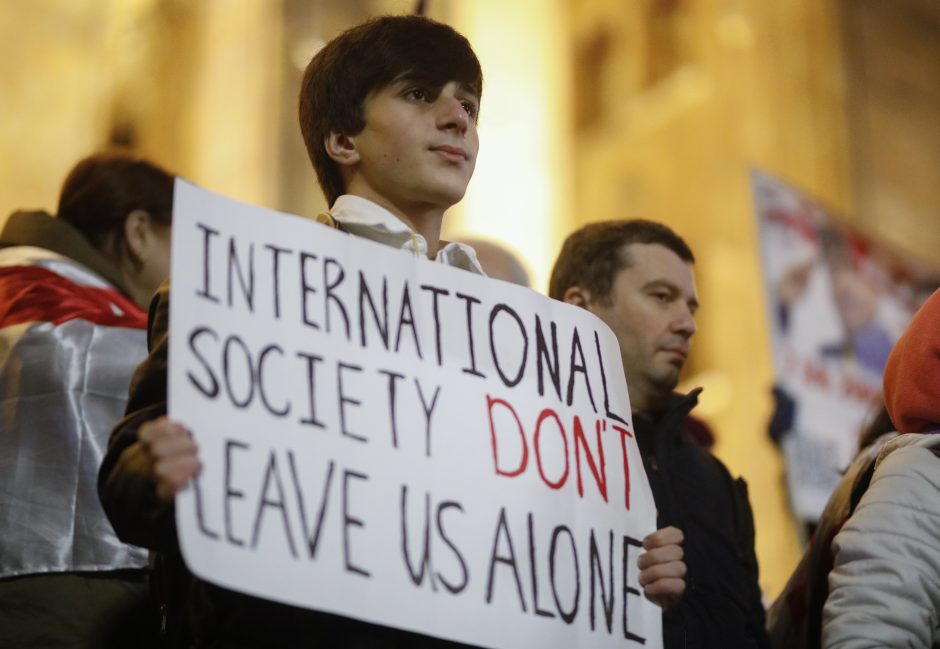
(469, 89)
(410, 77)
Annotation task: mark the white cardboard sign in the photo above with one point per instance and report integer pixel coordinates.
(394, 440)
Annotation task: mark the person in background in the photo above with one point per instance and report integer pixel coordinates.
(794, 620)
(636, 276)
(72, 289)
(498, 261)
(884, 588)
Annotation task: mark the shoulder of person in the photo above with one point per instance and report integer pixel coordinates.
(908, 446)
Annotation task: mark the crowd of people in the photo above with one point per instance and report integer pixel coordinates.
(91, 463)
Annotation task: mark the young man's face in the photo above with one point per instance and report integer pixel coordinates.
(418, 148)
(651, 309)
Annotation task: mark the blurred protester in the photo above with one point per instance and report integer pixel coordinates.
(72, 331)
(885, 583)
(498, 261)
(794, 620)
(637, 277)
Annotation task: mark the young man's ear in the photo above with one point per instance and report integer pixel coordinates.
(577, 296)
(341, 148)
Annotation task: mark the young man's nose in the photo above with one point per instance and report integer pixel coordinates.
(452, 115)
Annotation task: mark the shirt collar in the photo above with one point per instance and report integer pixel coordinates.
(362, 217)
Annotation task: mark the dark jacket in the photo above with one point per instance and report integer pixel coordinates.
(199, 614)
(721, 607)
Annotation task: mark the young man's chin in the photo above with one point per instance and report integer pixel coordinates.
(446, 195)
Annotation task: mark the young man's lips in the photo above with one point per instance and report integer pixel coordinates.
(453, 153)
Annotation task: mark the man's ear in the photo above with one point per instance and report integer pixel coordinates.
(341, 148)
(577, 296)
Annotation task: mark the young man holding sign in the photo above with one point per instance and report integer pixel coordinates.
(388, 111)
(637, 277)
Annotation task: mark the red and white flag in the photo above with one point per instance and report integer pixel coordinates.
(69, 344)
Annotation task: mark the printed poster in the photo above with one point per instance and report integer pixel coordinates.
(837, 302)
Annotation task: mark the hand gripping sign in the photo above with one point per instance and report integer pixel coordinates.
(394, 440)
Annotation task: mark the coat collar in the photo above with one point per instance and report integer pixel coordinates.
(664, 420)
(42, 230)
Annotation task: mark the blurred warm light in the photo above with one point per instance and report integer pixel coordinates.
(231, 128)
(734, 30)
(304, 50)
(717, 392)
(521, 190)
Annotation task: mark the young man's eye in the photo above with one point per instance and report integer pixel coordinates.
(470, 107)
(416, 94)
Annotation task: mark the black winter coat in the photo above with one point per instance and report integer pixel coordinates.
(721, 607)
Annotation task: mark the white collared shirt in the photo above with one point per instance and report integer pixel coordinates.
(363, 218)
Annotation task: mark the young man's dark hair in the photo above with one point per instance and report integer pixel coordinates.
(367, 58)
(592, 256)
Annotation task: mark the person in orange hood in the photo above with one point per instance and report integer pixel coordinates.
(884, 589)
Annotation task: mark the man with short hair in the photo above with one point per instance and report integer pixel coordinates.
(637, 277)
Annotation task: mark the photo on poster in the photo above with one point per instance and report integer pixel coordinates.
(837, 301)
